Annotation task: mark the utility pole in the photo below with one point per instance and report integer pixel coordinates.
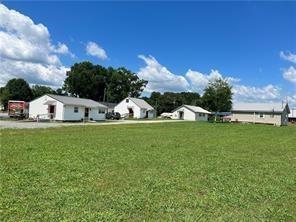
(104, 98)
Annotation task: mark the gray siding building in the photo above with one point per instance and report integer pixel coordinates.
(265, 113)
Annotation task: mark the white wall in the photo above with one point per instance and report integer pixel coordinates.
(62, 112)
(95, 115)
(59, 111)
(37, 107)
(202, 117)
(123, 106)
(70, 115)
(268, 118)
(189, 115)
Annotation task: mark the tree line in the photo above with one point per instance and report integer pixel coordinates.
(217, 97)
(96, 82)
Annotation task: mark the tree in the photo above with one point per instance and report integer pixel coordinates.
(60, 92)
(98, 83)
(122, 83)
(38, 91)
(15, 89)
(86, 80)
(217, 96)
(168, 101)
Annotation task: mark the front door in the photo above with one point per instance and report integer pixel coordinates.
(86, 112)
(181, 115)
(51, 111)
(130, 112)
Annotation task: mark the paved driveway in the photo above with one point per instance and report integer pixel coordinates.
(31, 125)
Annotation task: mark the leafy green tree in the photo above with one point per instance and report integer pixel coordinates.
(15, 89)
(168, 101)
(122, 83)
(38, 90)
(217, 96)
(86, 80)
(60, 92)
(98, 83)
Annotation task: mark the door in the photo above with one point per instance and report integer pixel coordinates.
(51, 111)
(130, 112)
(86, 112)
(181, 115)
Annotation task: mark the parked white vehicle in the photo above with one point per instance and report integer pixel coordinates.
(166, 115)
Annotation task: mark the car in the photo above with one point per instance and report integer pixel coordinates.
(113, 115)
(166, 115)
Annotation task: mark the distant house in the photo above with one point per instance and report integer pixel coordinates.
(188, 112)
(292, 115)
(66, 108)
(135, 108)
(110, 106)
(266, 113)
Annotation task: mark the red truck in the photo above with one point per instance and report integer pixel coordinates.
(18, 109)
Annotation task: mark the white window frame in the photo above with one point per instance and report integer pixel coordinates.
(76, 109)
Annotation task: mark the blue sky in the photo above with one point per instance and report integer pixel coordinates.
(183, 45)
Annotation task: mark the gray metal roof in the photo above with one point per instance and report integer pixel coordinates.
(68, 100)
(260, 107)
(141, 103)
(195, 109)
(109, 105)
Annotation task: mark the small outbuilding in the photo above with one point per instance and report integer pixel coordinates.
(66, 108)
(265, 113)
(187, 112)
(110, 106)
(292, 115)
(135, 108)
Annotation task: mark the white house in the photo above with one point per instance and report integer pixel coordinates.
(66, 108)
(266, 113)
(292, 115)
(134, 108)
(188, 112)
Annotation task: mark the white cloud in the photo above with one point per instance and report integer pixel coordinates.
(292, 101)
(289, 56)
(61, 48)
(94, 49)
(244, 93)
(199, 80)
(27, 52)
(160, 78)
(290, 74)
(34, 73)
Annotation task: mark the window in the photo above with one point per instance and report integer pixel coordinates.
(75, 109)
(101, 111)
(127, 100)
(201, 114)
(261, 115)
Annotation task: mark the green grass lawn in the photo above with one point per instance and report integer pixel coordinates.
(182, 171)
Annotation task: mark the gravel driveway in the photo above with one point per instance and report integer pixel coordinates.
(31, 125)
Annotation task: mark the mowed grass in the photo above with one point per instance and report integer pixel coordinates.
(183, 171)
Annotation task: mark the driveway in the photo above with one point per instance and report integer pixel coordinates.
(32, 125)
